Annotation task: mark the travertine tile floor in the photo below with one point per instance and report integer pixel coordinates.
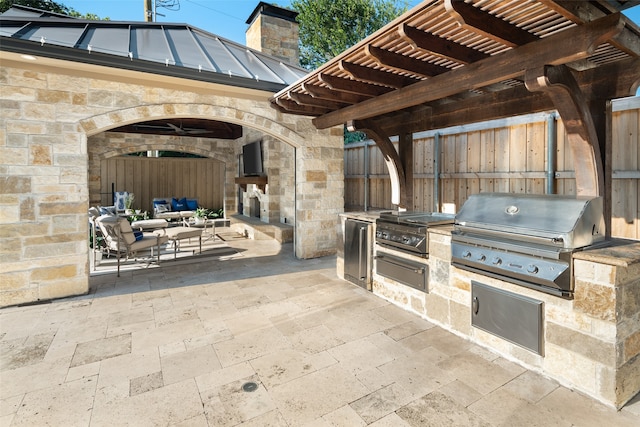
(174, 345)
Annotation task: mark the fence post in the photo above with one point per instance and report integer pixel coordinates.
(436, 172)
(552, 143)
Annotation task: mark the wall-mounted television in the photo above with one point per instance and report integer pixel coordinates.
(252, 159)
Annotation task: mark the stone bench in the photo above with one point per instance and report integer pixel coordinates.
(255, 229)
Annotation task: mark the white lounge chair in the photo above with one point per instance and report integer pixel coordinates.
(120, 238)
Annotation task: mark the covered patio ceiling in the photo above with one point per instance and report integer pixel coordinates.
(450, 62)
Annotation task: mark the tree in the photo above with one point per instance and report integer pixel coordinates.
(50, 6)
(329, 27)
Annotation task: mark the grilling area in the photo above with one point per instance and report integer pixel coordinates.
(536, 278)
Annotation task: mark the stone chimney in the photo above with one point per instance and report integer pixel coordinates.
(273, 30)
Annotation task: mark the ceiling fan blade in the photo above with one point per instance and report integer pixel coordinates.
(193, 131)
(152, 127)
(178, 130)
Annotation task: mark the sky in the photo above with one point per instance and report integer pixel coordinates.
(224, 18)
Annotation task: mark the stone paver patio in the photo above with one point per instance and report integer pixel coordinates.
(174, 345)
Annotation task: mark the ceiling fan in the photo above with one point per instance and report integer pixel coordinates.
(170, 127)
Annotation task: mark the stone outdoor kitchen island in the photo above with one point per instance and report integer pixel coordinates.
(590, 343)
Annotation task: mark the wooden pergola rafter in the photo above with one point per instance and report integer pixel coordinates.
(452, 62)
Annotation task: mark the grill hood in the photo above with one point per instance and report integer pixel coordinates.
(567, 222)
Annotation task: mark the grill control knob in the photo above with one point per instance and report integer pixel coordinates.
(466, 254)
(481, 257)
(532, 269)
(496, 261)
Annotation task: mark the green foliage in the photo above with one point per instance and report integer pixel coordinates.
(50, 6)
(356, 136)
(201, 213)
(329, 27)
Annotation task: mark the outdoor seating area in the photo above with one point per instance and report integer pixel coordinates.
(115, 239)
(171, 208)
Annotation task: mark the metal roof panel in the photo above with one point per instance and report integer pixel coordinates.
(164, 46)
(110, 40)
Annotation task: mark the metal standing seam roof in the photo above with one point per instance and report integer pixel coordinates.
(170, 49)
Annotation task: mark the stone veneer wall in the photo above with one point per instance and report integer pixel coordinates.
(47, 116)
(276, 37)
(591, 343)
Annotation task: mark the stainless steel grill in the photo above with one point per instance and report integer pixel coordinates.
(407, 231)
(526, 239)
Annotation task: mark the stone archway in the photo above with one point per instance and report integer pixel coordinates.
(55, 112)
(104, 144)
(103, 122)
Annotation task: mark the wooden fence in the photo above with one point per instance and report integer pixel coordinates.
(148, 177)
(528, 154)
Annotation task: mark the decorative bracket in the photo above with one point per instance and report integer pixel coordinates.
(561, 86)
(391, 159)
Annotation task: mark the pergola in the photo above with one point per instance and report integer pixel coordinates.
(449, 62)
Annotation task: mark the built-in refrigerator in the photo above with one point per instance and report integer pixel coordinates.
(357, 257)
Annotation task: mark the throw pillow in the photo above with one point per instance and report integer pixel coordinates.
(179, 205)
(162, 207)
(192, 204)
(107, 210)
(138, 235)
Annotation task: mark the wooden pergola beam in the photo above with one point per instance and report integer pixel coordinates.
(439, 46)
(405, 63)
(371, 75)
(322, 92)
(352, 86)
(291, 107)
(572, 44)
(581, 11)
(494, 28)
(304, 99)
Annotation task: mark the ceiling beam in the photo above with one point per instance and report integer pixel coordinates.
(371, 75)
(439, 46)
(574, 43)
(352, 86)
(403, 62)
(478, 21)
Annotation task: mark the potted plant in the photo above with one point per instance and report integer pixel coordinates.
(201, 215)
(128, 204)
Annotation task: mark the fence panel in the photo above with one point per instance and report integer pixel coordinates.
(149, 177)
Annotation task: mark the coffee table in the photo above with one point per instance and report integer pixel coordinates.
(208, 222)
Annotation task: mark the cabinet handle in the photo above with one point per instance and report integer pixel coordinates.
(475, 305)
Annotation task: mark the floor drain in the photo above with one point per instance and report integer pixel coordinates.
(250, 386)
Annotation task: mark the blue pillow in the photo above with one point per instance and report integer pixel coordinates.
(179, 205)
(192, 204)
(138, 235)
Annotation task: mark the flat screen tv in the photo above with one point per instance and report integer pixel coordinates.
(252, 159)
